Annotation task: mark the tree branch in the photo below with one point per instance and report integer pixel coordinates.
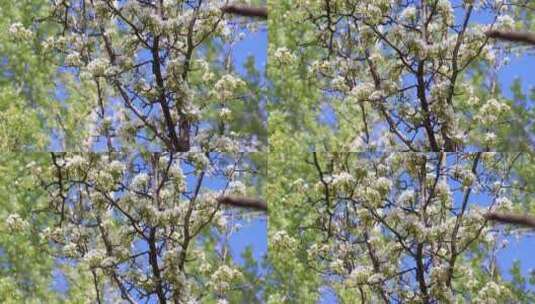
(514, 36)
(510, 218)
(246, 10)
(243, 202)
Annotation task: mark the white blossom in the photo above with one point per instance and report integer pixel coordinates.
(376, 278)
(116, 167)
(383, 184)
(362, 91)
(342, 179)
(18, 31)
(225, 114)
(237, 188)
(98, 66)
(284, 56)
(15, 223)
(75, 162)
(360, 274)
(281, 239)
(227, 85)
(73, 59)
(70, 249)
(94, 257)
(489, 137)
(406, 197)
(505, 22)
(221, 279)
(409, 13)
(140, 181)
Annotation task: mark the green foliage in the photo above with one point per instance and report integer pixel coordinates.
(26, 268)
(31, 106)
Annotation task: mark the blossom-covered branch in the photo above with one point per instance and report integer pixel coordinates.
(147, 56)
(357, 216)
(395, 66)
(161, 202)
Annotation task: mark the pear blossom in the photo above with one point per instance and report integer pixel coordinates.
(362, 91)
(405, 208)
(98, 66)
(140, 181)
(284, 56)
(409, 13)
(505, 22)
(222, 277)
(225, 114)
(15, 223)
(109, 213)
(18, 31)
(342, 179)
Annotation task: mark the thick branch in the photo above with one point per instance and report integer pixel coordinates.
(514, 36)
(511, 218)
(420, 273)
(153, 260)
(245, 10)
(243, 202)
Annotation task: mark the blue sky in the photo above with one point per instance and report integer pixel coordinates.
(253, 233)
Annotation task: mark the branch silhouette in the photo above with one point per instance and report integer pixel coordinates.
(510, 218)
(243, 202)
(246, 10)
(513, 36)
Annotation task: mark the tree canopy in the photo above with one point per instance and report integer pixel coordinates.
(284, 151)
(397, 75)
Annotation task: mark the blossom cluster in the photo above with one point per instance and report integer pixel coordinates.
(385, 65)
(371, 220)
(137, 55)
(19, 32)
(141, 207)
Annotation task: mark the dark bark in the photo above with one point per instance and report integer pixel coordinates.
(246, 10)
(153, 261)
(513, 36)
(243, 202)
(510, 218)
(420, 273)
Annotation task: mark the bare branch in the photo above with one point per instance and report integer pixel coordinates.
(243, 202)
(246, 10)
(510, 218)
(514, 36)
